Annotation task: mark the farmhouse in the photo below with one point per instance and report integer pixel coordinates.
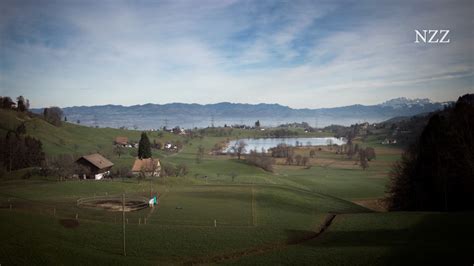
(96, 166)
(121, 141)
(149, 167)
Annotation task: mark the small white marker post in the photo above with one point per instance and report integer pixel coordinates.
(215, 223)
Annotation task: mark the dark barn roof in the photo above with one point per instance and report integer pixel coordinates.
(97, 160)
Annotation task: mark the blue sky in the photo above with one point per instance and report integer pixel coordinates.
(304, 54)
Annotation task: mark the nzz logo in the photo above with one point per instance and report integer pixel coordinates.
(432, 36)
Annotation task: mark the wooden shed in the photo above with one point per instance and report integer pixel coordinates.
(98, 166)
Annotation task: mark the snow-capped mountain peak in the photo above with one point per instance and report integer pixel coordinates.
(403, 102)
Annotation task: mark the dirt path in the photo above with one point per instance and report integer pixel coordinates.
(264, 248)
(375, 204)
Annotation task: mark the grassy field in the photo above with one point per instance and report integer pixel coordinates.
(222, 211)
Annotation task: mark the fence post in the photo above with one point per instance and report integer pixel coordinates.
(123, 223)
(77, 216)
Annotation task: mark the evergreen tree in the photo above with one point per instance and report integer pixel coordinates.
(21, 103)
(144, 147)
(436, 172)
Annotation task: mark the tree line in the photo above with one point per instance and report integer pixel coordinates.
(436, 173)
(21, 104)
(18, 150)
(52, 115)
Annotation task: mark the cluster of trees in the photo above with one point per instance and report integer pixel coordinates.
(167, 169)
(53, 115)
(212, 131)
(260, 160)
(282, 151)
(301, 160)
(364, 156)
(437, 172)
(349, 149)
(280, 133)
(18, 150)
(21, 105)
(62, 166)
(285, 151)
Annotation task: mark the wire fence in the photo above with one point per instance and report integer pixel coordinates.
(113, 203)
(83, 209)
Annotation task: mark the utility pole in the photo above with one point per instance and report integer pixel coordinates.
(96, 123)
(316, 120)
(151, 189)
(123, 223)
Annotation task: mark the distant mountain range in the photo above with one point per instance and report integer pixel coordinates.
(149, 116)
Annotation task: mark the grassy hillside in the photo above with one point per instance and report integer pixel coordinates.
(223, 210)
(76, 139)
(246, 216)
(401, 238)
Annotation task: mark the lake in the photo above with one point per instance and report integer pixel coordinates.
(267, 143)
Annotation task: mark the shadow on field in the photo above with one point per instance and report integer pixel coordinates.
(69, 223)
(437, 238)
(218, 195)
(294, 236)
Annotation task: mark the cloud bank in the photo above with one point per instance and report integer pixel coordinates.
(297, 53)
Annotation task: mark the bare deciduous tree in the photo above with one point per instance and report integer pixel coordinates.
(239, 148)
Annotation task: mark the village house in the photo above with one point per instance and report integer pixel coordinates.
(96, 165)
(121, 141)
(148, 167)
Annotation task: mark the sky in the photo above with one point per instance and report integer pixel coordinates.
(302, 54)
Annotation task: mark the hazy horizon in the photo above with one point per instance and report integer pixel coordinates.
(257, 103)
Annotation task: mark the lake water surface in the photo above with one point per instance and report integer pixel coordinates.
(268, 143)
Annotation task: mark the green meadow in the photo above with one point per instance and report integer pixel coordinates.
(222, 211)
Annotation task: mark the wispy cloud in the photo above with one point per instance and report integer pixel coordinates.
(297, 53)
